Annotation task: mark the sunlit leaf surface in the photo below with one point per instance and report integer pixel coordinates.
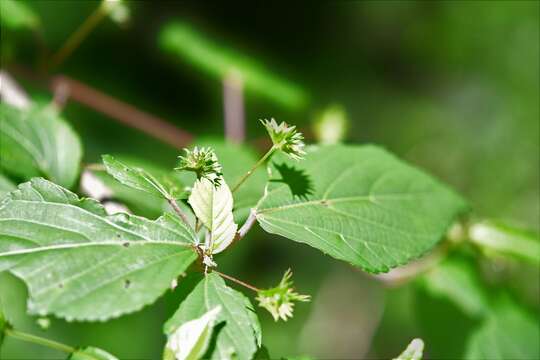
(367, 207)
(237, 331)
(81, 264)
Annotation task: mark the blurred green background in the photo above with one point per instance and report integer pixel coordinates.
(451, 86)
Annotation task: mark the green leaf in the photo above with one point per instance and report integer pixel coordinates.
(37, 142)
(190, 341)
(141, 202)
(507, 333)
(3, 325)
(413, 351)
(17, 15)
(6, 185)
(91, 353)
(237, 329)
(213, 208)
(81, 264)
(183, 40)
(457, 280)
(365, 207)
(494, 237)
(135, 177)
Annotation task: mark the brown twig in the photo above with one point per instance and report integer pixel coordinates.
(239, 282)
(114, 108)
(124, 112)
(233, 108)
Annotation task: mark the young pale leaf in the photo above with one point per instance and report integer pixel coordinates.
(413, 351)
(237, 331)
(190, 341)
(81, 264)
(134, 177)
(35, 142)
(507, 333)
(237, 160)
(365, 207)
(17, 15)
(213, 207)
(91, 353)
(502, 239)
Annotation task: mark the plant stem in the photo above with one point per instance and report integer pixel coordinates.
(247, 225)
(239, 282)
(76, 38)
(178, 211)
(38, 340)
(233, 107)
(257, 164)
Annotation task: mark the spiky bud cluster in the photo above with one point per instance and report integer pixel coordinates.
(285, 138)
(203, 162)
(279, 300)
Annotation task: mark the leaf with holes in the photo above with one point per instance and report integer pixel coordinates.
(213, 207)
(237, 332)
(37, 142)
(81, 264)
(366, 207)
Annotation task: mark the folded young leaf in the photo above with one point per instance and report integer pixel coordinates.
(237, 332)
(37, 142)
(236, 160)
(134, 177)
(81, 264)
(213, 207)
(413, 351)
(364, 206)
(91, 353)
(190, 341)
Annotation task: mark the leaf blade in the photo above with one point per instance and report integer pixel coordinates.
(79, 263)
(134, 177)
(36, 142)
(240, 334)
(366, 208)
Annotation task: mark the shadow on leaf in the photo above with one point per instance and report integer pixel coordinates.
(297, 180)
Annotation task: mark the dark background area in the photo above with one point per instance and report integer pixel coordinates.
(450, 86)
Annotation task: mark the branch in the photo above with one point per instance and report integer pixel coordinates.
(112, 107)
(233, 108)
(239, 282)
